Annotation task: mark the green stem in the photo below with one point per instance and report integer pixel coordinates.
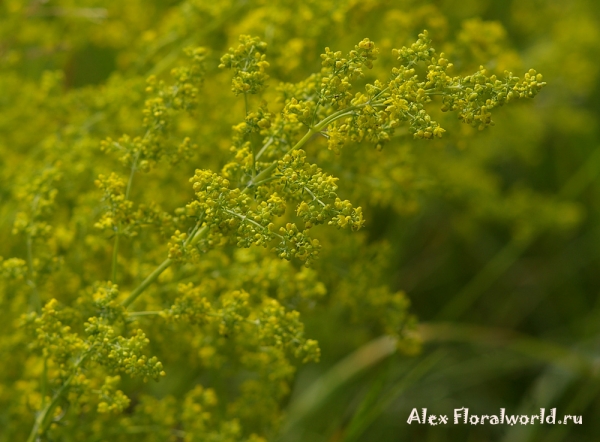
(335, 116)
(146, 282)
(148, 313)
(44, 382)
(42, 420)
(131, 174)
(251, 143)
(345, 113)
(266, 172)
(200, 233)
(380, 93)
(262, 150)
(266, 180)
(192, 241)
(115, 254)
(314, 197)
(311, 131)
(245, 218)
(35, 295)
(113, 274)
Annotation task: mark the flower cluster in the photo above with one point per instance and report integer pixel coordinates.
(200, 407)
(13, 269)
(375, 114)
(338, 72)
(226, 211)
(121, 354)
(120, 210)
(248, 63)
(37, 199)
(52, 337)
(232, 313)
(283, 329)
(69, 354)
(307, 182)
(120, 216)
(159, 113)
(184, 92)
(476, 95)
(111, 399)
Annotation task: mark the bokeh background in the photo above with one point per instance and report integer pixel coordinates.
(494, 236)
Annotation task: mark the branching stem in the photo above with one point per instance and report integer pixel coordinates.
(263, 176)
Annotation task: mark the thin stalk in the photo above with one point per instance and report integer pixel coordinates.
(311, 131)
(266, 180)
(148, 313)
(131, 174)
(146, 282)
(262, 150)
(115, 254)
(192, 240)
(334, 117)
(245, 218)
(314, 197)
(200, 233)
(251, 144)
(35, 295)
(42, 420)
(44, 382)
(379, 94)
(312, 121)
(266, 172)
(345, 112)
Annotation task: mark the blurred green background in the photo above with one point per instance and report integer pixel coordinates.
(493, 235)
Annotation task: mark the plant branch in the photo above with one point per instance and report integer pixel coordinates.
(192, 241)
(42, 420)
(261, 177)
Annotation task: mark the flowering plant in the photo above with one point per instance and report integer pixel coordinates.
(139, 274)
